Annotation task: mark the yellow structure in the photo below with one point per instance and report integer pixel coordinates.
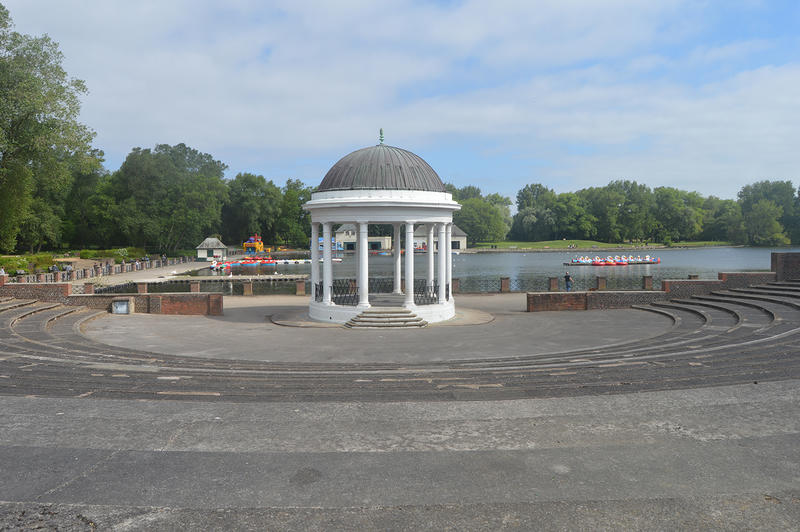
(253, 245)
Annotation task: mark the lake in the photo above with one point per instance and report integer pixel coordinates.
(530, 271)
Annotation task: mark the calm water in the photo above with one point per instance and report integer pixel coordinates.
(529, 271)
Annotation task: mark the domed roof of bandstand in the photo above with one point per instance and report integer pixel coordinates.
(381, 167)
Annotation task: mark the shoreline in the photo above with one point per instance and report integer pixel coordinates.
(588, 250)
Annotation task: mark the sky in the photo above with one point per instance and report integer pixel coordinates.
(701, 95)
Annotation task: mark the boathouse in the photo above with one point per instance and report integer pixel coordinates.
(212, 249)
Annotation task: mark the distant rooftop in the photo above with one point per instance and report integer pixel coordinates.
(211, 243)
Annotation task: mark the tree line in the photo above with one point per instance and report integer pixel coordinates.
(56, 194)
(765, 213)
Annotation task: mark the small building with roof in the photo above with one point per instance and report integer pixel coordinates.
(382, 185)
(459, 240)
(212, 249)
(347, 237)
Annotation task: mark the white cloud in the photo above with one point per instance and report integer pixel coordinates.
(274, 87)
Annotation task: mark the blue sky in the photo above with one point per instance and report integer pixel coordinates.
(700, 95)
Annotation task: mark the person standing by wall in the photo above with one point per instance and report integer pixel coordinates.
(568, 281)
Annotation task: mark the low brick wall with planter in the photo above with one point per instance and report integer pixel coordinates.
(209, 304)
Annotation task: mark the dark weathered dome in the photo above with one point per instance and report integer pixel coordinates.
(381, 167)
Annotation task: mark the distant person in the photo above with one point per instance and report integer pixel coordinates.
(2, 271)
(568, 281)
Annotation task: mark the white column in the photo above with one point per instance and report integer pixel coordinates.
(409, 299)
(363, 265)
(449, 250)
(314, 259)
(327, 268)
(397, 260)
(442, 264)
(430, 255)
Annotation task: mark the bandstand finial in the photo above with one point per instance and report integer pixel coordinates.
(380, 137)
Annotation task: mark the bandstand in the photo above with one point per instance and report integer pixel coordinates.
(382, 185)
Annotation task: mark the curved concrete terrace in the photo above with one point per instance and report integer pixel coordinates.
(696, 428)
(265, 328)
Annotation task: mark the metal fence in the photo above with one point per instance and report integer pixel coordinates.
(424, 294)
(479, 284)
(344, 292)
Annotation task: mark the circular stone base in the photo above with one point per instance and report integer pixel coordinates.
(341, 314)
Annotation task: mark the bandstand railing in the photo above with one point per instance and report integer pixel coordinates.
(425, 294)
(344, 292)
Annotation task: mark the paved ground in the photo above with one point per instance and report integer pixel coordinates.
(722, 458)
(152, 275)
(706, 457)
(486, 326)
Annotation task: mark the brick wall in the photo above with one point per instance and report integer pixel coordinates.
(745, 279)
(175, 303)
(622, 299)
(593, 300)
(542, 301)
(185, 304)
(786, 266)
(54, 292)
(681, 288)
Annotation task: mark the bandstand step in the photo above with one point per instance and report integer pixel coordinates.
(386, 318)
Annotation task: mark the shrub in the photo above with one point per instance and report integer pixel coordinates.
(13, 263)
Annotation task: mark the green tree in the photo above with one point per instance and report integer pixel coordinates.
(722, 220)
(604, 203)
(294, 222)
(781, 194)
(87, 173)
(464, 193)
(482, 221)
(572, 220)
(168, 198)
(39, 132)
(679, 214)
(635, 216)
(503, 203)
(253, 206)
(762, 225)
(535, 218)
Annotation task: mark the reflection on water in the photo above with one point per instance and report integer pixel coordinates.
(530, 271)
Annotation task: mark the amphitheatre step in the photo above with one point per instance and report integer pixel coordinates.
(14, 303)
(782, 285)
(41, 320)
(9, 316)
(720, 315)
